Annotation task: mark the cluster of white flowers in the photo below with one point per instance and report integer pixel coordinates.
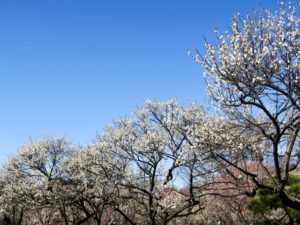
(259, 51)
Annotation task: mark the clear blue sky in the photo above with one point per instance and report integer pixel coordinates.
(69, 67)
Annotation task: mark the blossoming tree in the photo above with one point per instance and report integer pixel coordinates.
(155, 147)
(29, 180)
(253, 75)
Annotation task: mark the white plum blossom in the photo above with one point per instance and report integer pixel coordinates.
(253, 78)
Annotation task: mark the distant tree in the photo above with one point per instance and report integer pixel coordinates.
(29, 180)
(93, 176)
(154, 147)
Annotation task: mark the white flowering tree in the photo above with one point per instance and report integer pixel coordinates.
(29, 181)
(154, 148)
(93, 174)
(253, 74)
(149, 168)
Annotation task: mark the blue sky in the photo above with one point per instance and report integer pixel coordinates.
(69, 67)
